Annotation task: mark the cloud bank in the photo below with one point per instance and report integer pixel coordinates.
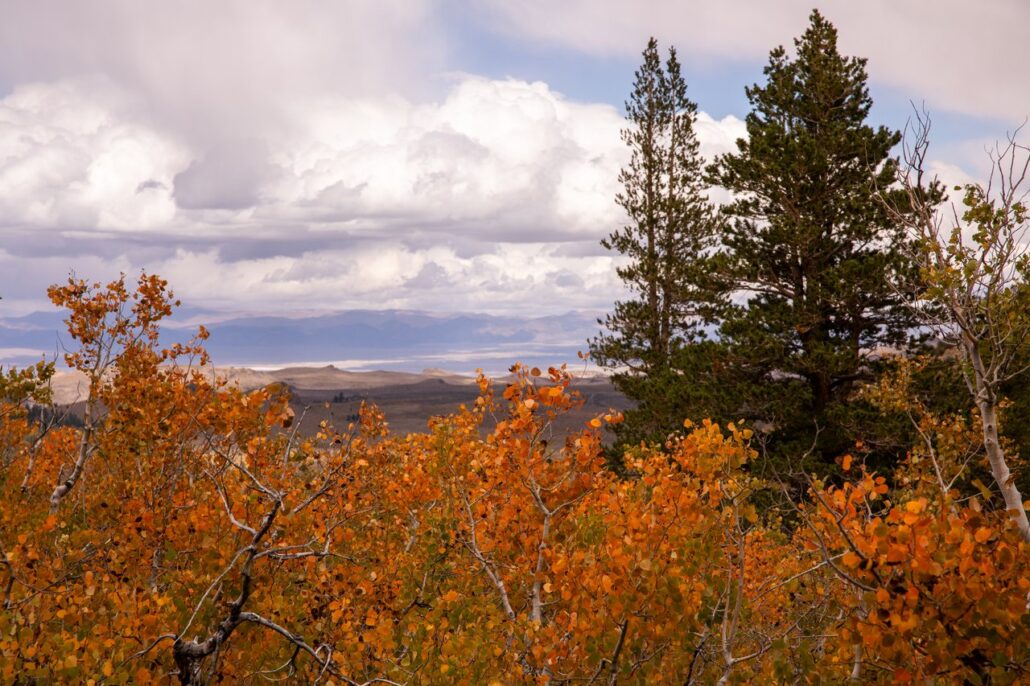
(310, 156)
(491, 199)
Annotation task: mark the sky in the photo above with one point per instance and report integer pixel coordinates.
(434, 155)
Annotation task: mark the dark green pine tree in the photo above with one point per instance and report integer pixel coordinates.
(810, 263)
(670, 227)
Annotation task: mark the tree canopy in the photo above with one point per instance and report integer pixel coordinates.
(205, 540)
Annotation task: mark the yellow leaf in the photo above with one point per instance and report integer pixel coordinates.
(847, 462)
(852, 560)
(984, 491)
(982, 534)
(596, 423)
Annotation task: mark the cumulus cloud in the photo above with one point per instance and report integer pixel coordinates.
(72, 155)
(962, 56)
(514, 158)
(492, 198)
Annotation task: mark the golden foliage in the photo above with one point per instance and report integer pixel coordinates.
(206, 539)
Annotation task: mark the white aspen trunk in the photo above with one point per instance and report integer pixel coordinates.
(1000, 469)
(988, 406)
(62, 489)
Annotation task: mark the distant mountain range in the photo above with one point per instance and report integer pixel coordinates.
(396, 340)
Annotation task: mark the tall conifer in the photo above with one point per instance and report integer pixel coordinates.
(809, 253)
(670, 227)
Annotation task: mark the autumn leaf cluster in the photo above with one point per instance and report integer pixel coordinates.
(186, 531)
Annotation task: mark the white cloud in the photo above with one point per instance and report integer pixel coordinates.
(968, 57)
(514, 157)
(72, 156)
(527, 278)
(492, 199)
